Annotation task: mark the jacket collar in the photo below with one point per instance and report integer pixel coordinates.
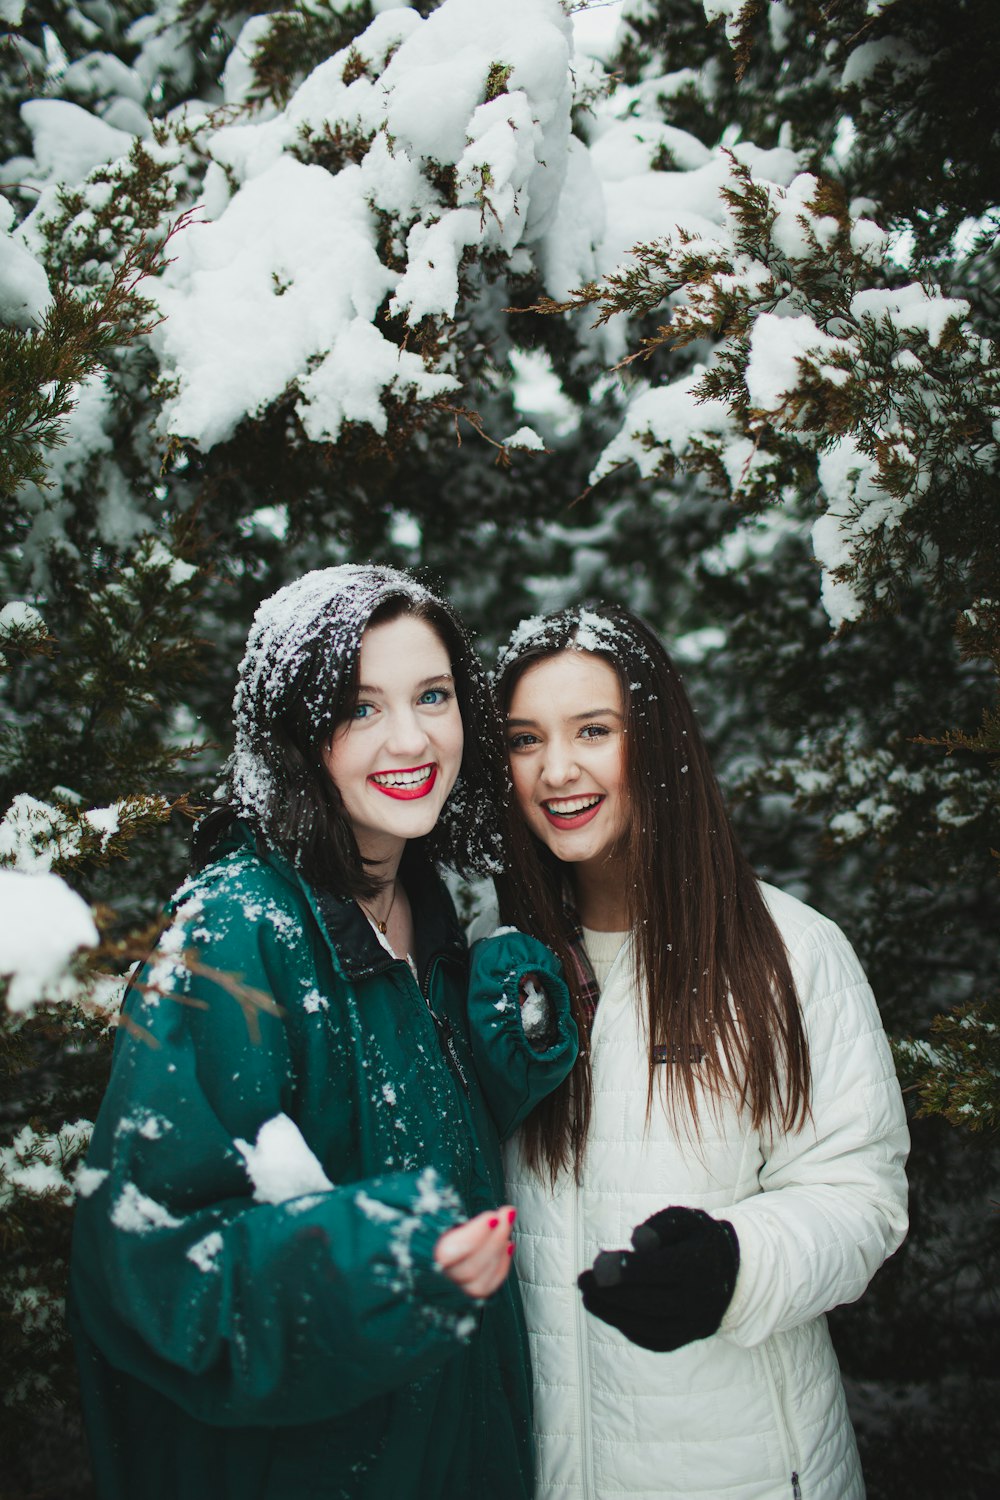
(437, 933)
(436, 929)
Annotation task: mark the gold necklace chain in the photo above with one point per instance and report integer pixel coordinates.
(383, 927)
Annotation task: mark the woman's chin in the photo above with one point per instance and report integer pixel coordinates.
(414, 820)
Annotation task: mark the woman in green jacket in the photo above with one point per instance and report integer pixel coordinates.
(291, 1256)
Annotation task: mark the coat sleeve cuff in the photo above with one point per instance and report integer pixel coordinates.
(516, 1073)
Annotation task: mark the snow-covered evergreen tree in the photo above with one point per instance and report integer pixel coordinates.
(809, 354)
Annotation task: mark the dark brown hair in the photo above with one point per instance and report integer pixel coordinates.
(719, 990)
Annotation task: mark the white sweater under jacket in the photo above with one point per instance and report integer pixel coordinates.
(757, 1411)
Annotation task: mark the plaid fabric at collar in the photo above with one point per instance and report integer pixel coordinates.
(586, 983)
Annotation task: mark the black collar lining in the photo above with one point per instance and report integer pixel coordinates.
(437, 933)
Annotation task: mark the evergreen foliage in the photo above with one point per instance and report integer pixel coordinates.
(857, 386)
(42, 368)
(708, 327)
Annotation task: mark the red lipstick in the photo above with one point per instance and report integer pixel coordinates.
(406, 793)
(577, 820)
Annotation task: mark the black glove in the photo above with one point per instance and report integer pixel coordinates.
(675, 1285)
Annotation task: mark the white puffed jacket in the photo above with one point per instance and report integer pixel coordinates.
(756, 1412)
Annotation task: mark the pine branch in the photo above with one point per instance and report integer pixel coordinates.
(956, 1073)
(40, 369)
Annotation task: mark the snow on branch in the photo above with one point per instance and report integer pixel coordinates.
(43, 926)
(956, 1071)
(339, 228)
(882, 397)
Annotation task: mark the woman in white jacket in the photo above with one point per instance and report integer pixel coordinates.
(725, 1162)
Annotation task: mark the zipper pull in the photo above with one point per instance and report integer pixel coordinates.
(446, 1037)
(796, 1492)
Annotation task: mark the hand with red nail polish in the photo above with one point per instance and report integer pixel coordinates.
(477, 1254)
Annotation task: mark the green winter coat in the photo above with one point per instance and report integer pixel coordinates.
(266, 1322)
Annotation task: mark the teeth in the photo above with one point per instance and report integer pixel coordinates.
(402, 778)
(571, 805)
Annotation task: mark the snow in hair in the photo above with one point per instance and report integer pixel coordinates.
(330, 605)
(580, 629)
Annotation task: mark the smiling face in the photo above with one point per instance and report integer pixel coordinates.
(396, 758)
(566, 741)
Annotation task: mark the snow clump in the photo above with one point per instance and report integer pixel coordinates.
(43, 925)
(280, 1164)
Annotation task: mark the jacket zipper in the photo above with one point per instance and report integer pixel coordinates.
(784, 1435)
(583, 1363)
(589, 1487)
(445, 1040)
(444, 1029)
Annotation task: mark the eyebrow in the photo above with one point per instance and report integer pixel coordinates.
(426, 682)
(590, 713)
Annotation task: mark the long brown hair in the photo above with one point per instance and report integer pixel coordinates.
(721, 1001)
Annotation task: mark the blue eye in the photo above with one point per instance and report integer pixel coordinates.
(522, 741)
(593, 732)
(362, 711)
(433, 697)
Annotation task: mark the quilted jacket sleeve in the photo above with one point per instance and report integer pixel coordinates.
(513, 1074)
(249, 1292)
(833, 1199)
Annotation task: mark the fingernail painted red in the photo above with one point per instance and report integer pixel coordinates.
(494, 1223)
(512, 1215)
(510, 1249)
